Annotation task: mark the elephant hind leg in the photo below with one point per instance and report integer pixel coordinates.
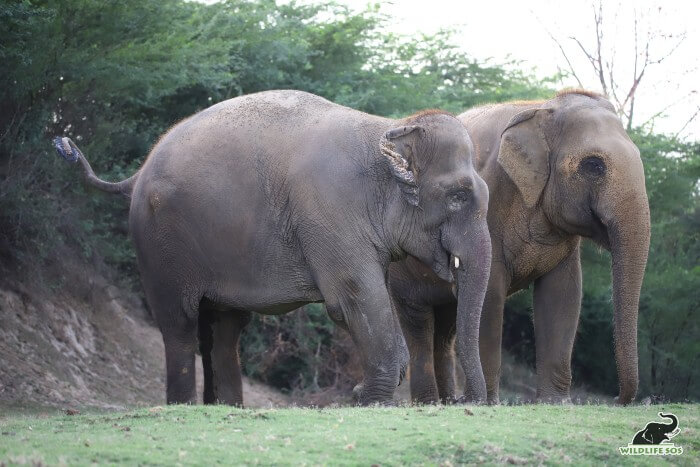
(175, 312)
(219, 334)
(444, 353)
(180, 346)
(206, 343)
(417, 323)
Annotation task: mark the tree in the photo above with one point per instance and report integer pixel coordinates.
(619, 73)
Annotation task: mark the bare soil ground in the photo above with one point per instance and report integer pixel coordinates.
(87, 345)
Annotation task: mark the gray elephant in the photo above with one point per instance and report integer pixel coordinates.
(656, 433)
(557, 170)
(270, 201)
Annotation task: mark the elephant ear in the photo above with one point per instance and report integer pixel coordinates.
(397, 145)
(524, 154)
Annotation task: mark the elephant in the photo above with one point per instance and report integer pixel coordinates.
(269, 201)
(656, 433)
(557, 170)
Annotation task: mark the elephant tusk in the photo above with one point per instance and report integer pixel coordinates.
(456, 262)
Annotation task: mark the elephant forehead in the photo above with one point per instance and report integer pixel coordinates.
(586, 125)
(452, 150)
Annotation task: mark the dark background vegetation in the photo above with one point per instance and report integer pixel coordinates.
(115, 75)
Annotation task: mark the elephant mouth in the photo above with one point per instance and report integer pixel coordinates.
(600, 231)
(446, 265)
(445, 262)
(441, 267)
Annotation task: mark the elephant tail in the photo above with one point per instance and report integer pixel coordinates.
(67, 149)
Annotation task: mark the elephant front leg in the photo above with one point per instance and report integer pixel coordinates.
(403, 353)
(365, 305)
(557, 302)
(219, 334)
(417, 324)
(491, 332)
(444, 353)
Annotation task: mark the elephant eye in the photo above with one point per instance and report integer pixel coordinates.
(456, 200)
(593, 166)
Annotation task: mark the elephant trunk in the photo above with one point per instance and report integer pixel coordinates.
(472, 279)
(674, 421)
(629, 246)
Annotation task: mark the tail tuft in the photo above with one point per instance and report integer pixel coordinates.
(65, 149)
(70, 152)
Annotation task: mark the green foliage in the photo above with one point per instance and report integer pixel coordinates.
(431, 435)
(97, 72)
(297, 351)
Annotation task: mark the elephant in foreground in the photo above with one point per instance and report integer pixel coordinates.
(557, 170)
(656, 433)
(266, 202)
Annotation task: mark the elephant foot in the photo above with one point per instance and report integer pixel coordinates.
(450, 400)
(556, 399)
(468, 400)
(361, 396)
(357, 391)
(404, 360)
(402, 372)
(623, 402)
(493, 398)
(425, 400)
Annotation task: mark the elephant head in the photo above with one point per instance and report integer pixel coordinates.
(656, 433)
(571, 157)
(444, 198)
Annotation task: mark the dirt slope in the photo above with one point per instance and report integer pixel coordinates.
(94, 345)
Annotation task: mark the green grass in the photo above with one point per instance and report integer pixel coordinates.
(208, 435)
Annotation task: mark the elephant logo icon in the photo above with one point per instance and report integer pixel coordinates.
(654, 438)
(657, 433)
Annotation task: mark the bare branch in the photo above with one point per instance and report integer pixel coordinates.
(661, 112)
(568, 62)
(611, 66)
(588, 55)
(671, 51)
(690, 120)
(602, 57)
(613, 87)
(563, 52)
(599, 38)
(636, 78)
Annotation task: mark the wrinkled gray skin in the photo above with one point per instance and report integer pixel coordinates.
(266, 202)
(557, 170)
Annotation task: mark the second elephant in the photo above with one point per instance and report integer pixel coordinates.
(557, 170)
